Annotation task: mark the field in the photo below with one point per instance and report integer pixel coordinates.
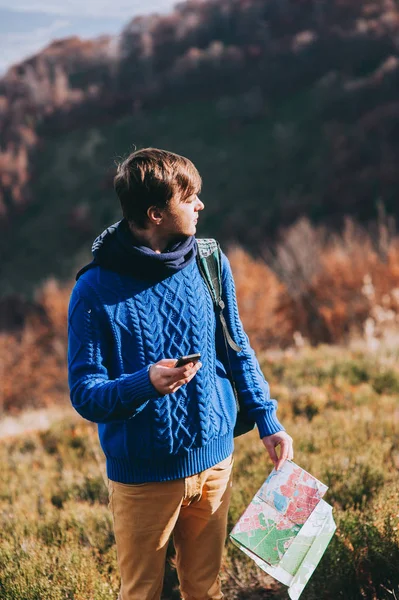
(340, 406)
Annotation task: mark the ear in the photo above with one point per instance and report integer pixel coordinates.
(154, 215)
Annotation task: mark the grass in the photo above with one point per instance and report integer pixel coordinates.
(340, 406)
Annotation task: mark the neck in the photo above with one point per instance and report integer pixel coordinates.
(151, 238)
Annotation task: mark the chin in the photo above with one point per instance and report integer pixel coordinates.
(189, 232)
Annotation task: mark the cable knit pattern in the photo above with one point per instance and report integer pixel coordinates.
(154, 351)
(199, 326)
(118, 327)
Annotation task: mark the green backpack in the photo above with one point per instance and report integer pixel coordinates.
(209, 260)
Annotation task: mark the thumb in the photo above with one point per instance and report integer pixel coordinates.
(167, 362)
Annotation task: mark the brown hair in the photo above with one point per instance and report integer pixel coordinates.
(152, 177)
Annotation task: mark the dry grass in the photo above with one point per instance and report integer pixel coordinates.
(340, 406)
(338, 402)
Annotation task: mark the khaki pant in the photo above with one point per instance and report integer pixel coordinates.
(195, 510)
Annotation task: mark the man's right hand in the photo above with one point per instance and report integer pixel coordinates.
(167, 379)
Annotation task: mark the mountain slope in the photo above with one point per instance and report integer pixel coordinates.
(287, 108)
(75, 199)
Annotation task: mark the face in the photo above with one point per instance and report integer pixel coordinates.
(180, 217)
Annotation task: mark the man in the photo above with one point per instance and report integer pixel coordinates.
(166, 431)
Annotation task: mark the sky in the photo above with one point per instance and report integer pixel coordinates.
(30, 25)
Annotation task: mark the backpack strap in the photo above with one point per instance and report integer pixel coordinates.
(209, 260)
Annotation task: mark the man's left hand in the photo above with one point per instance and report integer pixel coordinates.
(282, 439)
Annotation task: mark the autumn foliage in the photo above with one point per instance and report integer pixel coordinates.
(247, 57)
(33, 360)
(312, 288)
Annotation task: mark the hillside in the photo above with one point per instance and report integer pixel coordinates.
(56, 538)
(287, 108)
(53, 234)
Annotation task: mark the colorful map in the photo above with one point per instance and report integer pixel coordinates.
(287, 526)
(293, 492)
(264, 531)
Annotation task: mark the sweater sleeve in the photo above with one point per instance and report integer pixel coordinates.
(251, 385)
(93, 394)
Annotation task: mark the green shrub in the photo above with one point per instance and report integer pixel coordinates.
(56, 537)
(92, 490)
(386, 382)
(308, 401)
(361, 561)
(355, 487)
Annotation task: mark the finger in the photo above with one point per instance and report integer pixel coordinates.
(196, 368)
(283, 455)
(178, 384)
(167, 377)
(192, 368)
(185, 380)
(172, 375)
(177, 378)
(290, 453)
(273, 454)
(174, 386)
(193, 374)
(182, 373)
(167, 362)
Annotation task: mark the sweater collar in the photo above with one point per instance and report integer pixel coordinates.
(116, 249)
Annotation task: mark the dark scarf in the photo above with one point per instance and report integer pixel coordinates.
(117, 250)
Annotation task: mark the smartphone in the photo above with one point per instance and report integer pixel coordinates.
(184, 360)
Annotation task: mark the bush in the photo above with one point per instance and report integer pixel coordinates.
(56, 538)
(386, 382)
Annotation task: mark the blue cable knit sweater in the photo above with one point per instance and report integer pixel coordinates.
(118, 326)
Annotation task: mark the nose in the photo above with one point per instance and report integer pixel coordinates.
(200, 204)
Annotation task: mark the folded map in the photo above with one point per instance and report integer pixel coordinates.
(287, 526)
